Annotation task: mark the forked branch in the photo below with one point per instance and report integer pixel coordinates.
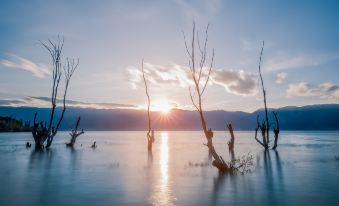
(74, 134)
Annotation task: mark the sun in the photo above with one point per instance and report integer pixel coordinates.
(162, 106)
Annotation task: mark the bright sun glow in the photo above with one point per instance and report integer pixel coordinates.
(163, 106)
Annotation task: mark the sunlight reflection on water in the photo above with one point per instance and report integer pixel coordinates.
(162, 194)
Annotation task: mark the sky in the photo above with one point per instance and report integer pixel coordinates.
(300, 64)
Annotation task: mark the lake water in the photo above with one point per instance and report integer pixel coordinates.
(303, 170)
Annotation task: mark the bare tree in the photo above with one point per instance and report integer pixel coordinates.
(150, 133)
(74, 134)
(43, 131)
(201, 75)
(265, 125)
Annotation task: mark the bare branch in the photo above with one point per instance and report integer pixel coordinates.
(148, 97)
(69, 70)
(193, 50)
(264, 92)
(194, 104)
(188, 52)
(55, 50)
(203, 52)
(209, 74)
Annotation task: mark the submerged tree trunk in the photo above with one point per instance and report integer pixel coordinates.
(74, 134)
(231, 142)
(276, 131)
(150, 140)
(150, 133)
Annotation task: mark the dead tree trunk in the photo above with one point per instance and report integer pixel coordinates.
(42, 131)
(231, 142)
(200, 75)
(150, 133)
(197, 74)
(276, 131)
(265, 125)
(74, 134)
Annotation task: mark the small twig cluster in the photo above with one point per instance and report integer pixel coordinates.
(243, 164)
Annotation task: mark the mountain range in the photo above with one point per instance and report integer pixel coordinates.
(311, 117)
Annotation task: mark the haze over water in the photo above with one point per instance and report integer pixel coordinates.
(303, 170)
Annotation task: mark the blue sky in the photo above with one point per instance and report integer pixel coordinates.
(300, 62)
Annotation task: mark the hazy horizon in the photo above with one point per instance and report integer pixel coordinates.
(114, 106)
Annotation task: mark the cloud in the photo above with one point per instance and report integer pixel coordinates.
(334, 95)
(11, 102)
(235, 82)
(14, 61)
(45, 102)
(175, 75)
(299, 61)
(326, 90)
(281, 76)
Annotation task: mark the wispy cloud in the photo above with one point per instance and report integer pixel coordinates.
(326, 90)
(298, 61)
(45, 102)
(17, 62)
(160, 75)
(235, 82)
(280, 78)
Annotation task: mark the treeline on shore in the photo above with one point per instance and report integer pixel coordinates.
(9, 124)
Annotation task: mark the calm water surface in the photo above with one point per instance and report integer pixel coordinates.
(120, 171)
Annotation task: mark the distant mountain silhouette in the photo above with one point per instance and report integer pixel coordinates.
(313, 117)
